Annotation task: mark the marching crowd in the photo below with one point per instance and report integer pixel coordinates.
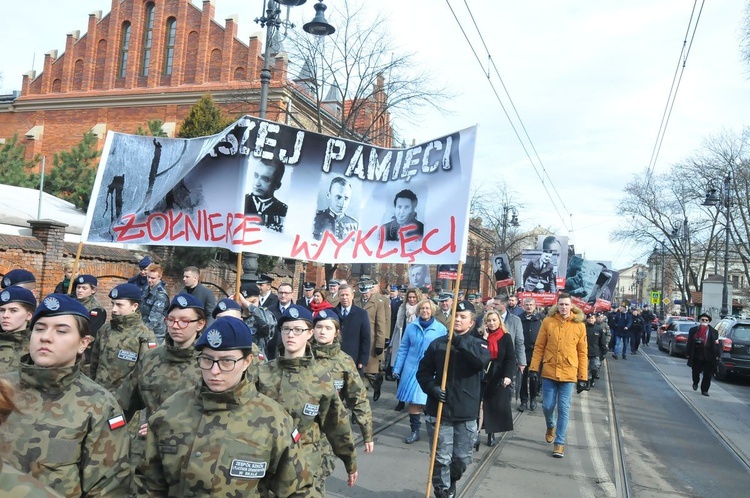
(258, 395)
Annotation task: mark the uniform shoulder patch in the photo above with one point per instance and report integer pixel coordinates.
(116, 422)
(296, 436)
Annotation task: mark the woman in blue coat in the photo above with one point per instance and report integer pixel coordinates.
(417, 336)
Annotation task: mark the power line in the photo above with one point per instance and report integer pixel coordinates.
(676, 80)
(505, 111)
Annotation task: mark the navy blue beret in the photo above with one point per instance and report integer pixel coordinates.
(326, 314)
(394, 287)
(226, 332)
(16, 294)
(87, 279)
(224, 305)
(17, 276)
(249, 289)
(130, 292)
(59, 304)
(184, 301)
(295, 312)
(143, 264)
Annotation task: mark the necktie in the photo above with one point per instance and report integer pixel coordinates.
(283, 309)
(344, 312)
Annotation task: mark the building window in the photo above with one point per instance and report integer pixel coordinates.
(147, 33)
(124, 47)
(736, 281)
(169, 47)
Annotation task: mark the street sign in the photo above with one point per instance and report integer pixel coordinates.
(655, 297)
(666, 300)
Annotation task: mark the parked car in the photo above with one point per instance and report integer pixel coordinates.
(674, 339)
(734, 336)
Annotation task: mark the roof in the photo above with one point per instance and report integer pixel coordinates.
(18, 205)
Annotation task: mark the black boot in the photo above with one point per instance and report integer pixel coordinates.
(377, 384)
(400, 406)
(532, 404)
(491, 441)
(414, 423)
(522, 406)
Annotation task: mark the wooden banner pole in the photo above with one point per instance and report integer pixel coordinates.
(75, 267)
(443, 382)
(238, 283)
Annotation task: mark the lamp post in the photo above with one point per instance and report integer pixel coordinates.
(680, 232)
(508, 210)
(271, 20)
(713, 199)
(661, 304)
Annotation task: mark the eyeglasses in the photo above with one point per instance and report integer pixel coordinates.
(284, 293)
(294, 331)
(704, 320)
(180, 324)
(225, 364)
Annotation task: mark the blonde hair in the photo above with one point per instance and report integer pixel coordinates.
(500, 319)
(68, 266)
(433, 306)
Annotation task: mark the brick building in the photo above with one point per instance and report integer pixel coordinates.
(148, 60)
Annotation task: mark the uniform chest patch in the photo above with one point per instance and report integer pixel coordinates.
(311, 410)
(247, 469)
(126, 355)
(338, 384)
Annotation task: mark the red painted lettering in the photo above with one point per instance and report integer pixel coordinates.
(360, 241)
(213, 226)
(151, 224)
(251, 226)
(450, 246)
(173, 222)
(379, 254)
(130, 230)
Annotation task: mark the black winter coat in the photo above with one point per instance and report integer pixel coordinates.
(469, 356)
(708, 351)
(498, 415)
(596, 339)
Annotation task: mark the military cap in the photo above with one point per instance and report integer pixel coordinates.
(130, 292)
(225, 333)
(394, 287)
(17, 277)
(365, 285)
(264, 279)
(295, 312)
(326, 314)
(185, 301)
(591, 315)
(222, 306)
(59, 304)
(471, 296)
(143, 264)
(87, 279)
(444, 296)
(308, 285)
(333, 281)
(403, 288)
(249, 289)
(16, 294)
(465, 306)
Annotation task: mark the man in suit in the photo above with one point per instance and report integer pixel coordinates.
(355, 328)
(444, 315)
(372, 302)
(515, 329)
(307, 293)
(267, 299)
(703, 352)
(278, 306)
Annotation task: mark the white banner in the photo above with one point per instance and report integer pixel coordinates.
(271, 189)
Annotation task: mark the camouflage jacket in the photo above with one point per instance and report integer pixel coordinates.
(116, 351)
(14, 483)
(234, 443)
(307, 393)
(160, 373)
(70, 433)
(13, 345)
(154, 310)
(347, 382)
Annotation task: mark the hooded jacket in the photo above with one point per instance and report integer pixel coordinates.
(563, 346)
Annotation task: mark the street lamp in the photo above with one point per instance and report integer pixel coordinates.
(713, 199)
(272, 22)
(684, 236)
(513, 221)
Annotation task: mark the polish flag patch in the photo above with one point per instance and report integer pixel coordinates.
(296, 435)
(152, 345)
(116, 422)
(94, 313)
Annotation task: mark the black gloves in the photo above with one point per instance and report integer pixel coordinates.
(439, 394)
(582, 385)
(378, 351)
(534, 376)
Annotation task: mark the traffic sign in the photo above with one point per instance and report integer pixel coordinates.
(655, 297)
(666, 300)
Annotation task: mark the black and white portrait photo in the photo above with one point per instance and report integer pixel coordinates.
(404, 220)
(264, 180)
(333, 218)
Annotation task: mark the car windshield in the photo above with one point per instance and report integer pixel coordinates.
(741, 332)
(685, 327)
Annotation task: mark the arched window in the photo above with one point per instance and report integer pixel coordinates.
(169, 46)
(124, 47)
(78, 74)
(147, 33)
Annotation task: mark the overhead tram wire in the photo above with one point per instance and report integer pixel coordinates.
(513, 105)
(676, 80)
(510, 121)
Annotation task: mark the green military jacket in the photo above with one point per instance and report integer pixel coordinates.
(235, 443)
(14, 483)
(13, 345)
(307, 393)
(69, 434)
(347, 382)
(116, 351)
(160, 373)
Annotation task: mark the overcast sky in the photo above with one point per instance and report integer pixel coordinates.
(589, 79)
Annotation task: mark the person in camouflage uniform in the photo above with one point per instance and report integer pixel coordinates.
(327, 351)
(122, 341)
(70, 431)
(84, 288)
(223, 438)
(230, 307)
(16, 309)
(307, 392)
(155, 303)
(12, 481)
(260, 320)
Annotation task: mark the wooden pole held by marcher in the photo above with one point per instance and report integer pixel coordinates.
(442, 383)
(238, 284)
(75, 267)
